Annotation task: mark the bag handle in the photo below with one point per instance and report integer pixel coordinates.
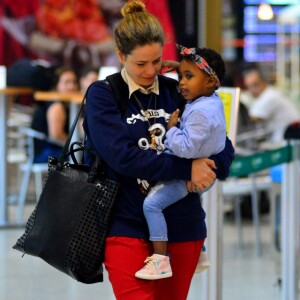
(80, 147)
(96, 169)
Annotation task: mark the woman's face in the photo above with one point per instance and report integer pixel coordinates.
(87, 80)
(143, 63)
(67, 82)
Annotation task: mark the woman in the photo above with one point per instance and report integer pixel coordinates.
(131, 144)
(51, 118)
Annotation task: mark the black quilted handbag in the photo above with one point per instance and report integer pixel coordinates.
(68, 226)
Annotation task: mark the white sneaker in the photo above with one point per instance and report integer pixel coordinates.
(157, 267)
(203, 263)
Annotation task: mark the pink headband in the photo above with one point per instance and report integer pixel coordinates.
(198, 60)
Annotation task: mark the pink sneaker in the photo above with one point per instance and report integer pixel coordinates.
(157, 267)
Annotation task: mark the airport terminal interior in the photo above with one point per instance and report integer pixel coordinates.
(253, 217)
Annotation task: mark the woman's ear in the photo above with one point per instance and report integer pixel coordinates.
(121, 56)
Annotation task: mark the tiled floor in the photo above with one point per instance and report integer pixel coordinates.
(248, 276)
(245, 275)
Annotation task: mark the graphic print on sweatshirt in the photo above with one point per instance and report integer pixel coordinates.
(154, 139)
(156, 131)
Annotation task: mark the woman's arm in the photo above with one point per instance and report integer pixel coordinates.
(169, 66)
(56, 120)
(110, 136)
(205, 171)
(113, 142)
(223, 160)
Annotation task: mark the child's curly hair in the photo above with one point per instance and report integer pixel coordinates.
(214, 60)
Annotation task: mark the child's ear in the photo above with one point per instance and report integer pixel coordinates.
(211, 82)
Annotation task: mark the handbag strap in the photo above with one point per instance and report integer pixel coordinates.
(97, 168)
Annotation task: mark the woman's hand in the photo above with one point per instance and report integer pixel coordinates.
(202, 174)
(169, 66)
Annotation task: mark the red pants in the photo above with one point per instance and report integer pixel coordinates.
(124, 256)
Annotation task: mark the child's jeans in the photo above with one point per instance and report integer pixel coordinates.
(161, 196)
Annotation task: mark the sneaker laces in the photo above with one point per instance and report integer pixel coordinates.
(150, 261)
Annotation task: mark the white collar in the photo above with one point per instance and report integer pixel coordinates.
(135, 87)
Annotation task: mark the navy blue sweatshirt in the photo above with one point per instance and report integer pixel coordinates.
(115, 136)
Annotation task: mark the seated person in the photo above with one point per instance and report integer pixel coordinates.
(51, 117)
(270, 107)
(87, 76)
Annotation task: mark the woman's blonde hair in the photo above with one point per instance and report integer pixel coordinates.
(137, 28)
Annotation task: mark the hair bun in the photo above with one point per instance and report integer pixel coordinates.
(131, 7)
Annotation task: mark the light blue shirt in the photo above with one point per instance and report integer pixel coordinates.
(202, 130)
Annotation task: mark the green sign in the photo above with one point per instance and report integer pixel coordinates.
(244, 165)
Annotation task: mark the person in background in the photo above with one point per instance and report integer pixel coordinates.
(270, 107)
(52, 117)
(87, 76)
(202, 133)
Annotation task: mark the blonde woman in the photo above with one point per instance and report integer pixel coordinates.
(131, 144)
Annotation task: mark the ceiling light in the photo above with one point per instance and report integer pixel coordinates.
(265, 12)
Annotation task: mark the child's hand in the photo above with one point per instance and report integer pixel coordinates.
(173, 119)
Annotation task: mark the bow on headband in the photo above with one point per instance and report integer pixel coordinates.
(198, 60)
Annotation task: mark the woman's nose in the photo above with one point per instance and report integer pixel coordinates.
(151, 70)
(73, 86)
